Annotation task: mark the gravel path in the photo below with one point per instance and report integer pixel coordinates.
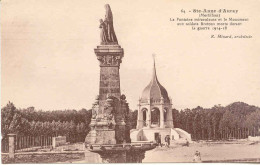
(209, 152)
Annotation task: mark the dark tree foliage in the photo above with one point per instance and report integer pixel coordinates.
(133, 118)
(71, 123)
(233, 121)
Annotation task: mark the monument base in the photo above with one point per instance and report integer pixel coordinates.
(122, 153)
(105, 136)
(101, 136)
(92, 157)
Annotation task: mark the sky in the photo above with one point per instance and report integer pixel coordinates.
(48, 59)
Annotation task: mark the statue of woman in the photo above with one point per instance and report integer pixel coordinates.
(109, 24)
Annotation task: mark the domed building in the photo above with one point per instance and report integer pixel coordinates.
(155, 115)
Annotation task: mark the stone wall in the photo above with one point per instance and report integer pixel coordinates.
(58, 141)
(252, 138)
(43, 158)
(147, 134)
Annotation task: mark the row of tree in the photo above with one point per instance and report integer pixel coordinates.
(234, 120)
(29, 122)
(77, 116)
(74, 124)
(201, 123)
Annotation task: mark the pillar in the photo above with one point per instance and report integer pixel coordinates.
(140, 119)
(162, 113)
(161, 118)
(169, 118)
(148, 118)
(11, 145)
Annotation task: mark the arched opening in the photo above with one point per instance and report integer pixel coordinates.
(165, 115)
(155, 117)
(144, 113)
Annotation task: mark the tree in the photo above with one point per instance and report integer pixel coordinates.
(133, 118)
(253, 120)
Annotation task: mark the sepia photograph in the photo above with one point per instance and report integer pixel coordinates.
(109, 81)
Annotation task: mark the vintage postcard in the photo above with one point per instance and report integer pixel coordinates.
(172, 81)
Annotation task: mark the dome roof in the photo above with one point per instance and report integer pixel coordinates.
(154, 90)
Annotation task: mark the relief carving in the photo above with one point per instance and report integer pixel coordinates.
(109, 60)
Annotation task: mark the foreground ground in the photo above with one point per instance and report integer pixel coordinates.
(44, 158)
(235, 151)
(210, 152)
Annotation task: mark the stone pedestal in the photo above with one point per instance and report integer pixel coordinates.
(108, 125)
(123, 157)
(105, 136)
(11, 145)
(110, 57)
(91, 137)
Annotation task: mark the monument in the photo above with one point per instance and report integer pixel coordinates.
(110, 126)
(155, 115)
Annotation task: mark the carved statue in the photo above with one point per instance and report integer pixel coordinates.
(107, 29)
(109, 22)
(103, 32)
